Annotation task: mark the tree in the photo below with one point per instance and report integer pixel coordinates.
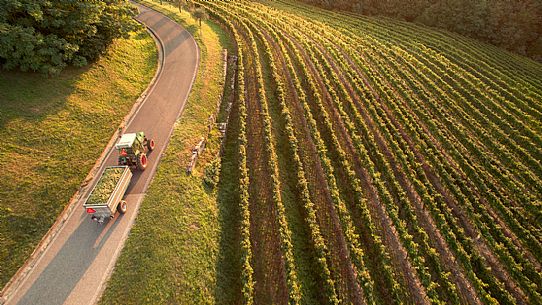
(181, 4)
(200, 13)
(47, 36)
(511, 24)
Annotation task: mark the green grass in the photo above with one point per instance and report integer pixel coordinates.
(171, 254)
(53, 130)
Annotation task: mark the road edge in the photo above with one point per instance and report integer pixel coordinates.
(13, 284)
(110, 267)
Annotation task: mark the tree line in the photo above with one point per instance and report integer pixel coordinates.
(515, 25)
(47, 36)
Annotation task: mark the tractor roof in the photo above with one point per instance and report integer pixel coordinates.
(126, 141)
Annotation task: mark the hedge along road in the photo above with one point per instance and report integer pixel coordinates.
(78, 262)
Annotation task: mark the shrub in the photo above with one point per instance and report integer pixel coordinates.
(47, 36)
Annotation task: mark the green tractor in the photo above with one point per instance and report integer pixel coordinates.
(133, 148)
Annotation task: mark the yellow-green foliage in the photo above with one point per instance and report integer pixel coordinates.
(105, 186)
(53, 130)
(172, 252)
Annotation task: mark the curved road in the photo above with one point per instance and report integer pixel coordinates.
(74, 268)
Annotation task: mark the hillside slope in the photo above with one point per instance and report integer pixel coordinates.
(383, 162)
(53, 131)
(510, 24)
(367, 161)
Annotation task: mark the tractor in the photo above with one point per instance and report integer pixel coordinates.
(133, 148)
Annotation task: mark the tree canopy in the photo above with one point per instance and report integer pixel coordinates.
(515, 25)
(200, 14)
(48, 35)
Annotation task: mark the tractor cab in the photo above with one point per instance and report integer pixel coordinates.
(133, 149)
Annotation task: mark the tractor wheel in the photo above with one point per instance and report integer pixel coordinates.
(122, 207)
(142, 161)
(150, 145)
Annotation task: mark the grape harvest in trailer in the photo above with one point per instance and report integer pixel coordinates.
(308, 152)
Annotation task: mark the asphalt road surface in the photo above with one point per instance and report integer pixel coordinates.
(74, 268)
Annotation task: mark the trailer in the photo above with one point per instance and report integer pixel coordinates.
(107, 195)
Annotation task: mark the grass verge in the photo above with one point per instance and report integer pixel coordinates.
(53, 130)
(171, 254)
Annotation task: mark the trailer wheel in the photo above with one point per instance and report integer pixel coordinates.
(142, 161)
(150, 145)
(122, 207)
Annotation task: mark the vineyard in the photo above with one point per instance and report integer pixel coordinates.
(381, 162)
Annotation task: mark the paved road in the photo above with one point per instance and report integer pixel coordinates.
(74, 267)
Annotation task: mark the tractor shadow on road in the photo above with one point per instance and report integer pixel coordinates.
(58, 280)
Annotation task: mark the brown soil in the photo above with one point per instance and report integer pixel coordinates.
(448, 261)
(269, 266)
(264, 227)
(374, 257)
(291, 92)
(455, 167)
(498, 269)
(327, 216)
(391, 238)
